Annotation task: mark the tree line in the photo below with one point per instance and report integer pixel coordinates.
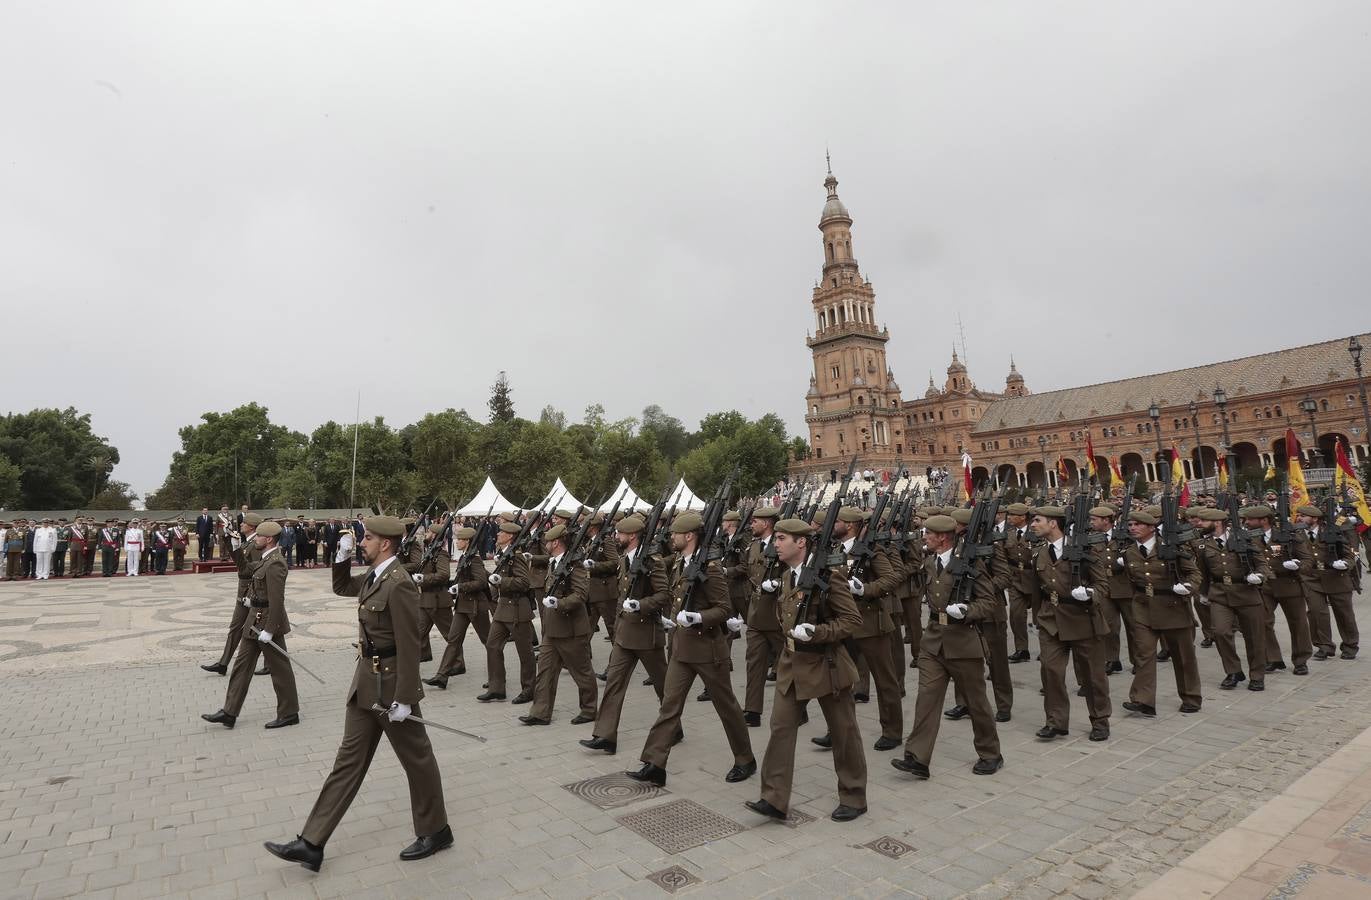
(50, 459)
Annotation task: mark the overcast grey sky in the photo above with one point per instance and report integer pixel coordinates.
(204, 204)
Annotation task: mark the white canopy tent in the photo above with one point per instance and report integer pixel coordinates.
(682, 497)
(487, 500)
(558, 498)
(631, 501)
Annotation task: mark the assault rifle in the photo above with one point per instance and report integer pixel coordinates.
(1173, 536)
(1119, 533)
(1332, 535)
(570, 559)
(976, 543)
(413, 529)
(1238, 538)
(641, 565)
(814, 574)
(788, 511)
(1079, 539)
(744, 520)
(606, 527)
(696, 573)
(523, 538)
(473, 545)
(863, 548)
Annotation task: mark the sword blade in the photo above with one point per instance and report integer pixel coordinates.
(431, 724)
(293, 661)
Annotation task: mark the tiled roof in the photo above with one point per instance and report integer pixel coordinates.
(1280, 370)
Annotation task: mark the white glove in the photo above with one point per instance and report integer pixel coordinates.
(342, 554)
(1204, 601)
(1080, 593)
(770, 585)
(454, 589)
(1350, 520)
(264, 636)
(957, 610)
(528, 557)
(1291, 565)
(855, 585)
(632, 605)
(667, 623)
(418, 577)
(1254, 578)
(494, 579)
(550, 602)
(687, 618)
(587, 564)
(1340, 565)
(803, 632)
(735, 624)
(235, 540)
(398, 712)
(1119, 563)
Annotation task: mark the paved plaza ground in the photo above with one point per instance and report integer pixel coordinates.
(111, 785)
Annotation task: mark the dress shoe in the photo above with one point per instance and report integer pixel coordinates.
(522, 697)
(298, 850)
(582, 718)
(283, 721)
(911, 765)
(771, 676)
(602, 676)
(1349, 654)
(884, 743)
(1231, 680)
(428, 844)
(1048, 733)
(741, 773)
(1021, 656)
(1189, 708)
(262, 671)
(957, 712)
(704, 695)
(1163, 655)
(1207, 643)
(460, 670)
(220, 718)
(861, 698)
(649, 773)
(988, 766)
(216, 668)
(1141, 709)
(1275, 666)
(597, 743)
(761, 807)
(825, 741)
(1099, 732)
(1080, 691)
(1113, 666)
(1301, 669)
(1256, 684)
(845, 813)
(753, 720)
(647, 682)
(533, 720)
(1321, 654)
(677, 737)
(438, 681)
(427, 657)
(1002, 716)
(489, 696)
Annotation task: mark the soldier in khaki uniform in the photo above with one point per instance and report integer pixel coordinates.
(638, 635)
(512, 584)
(1017, 550)
(1289, 564)
(248, 557)
(1234, 591)
(734, 563)
(1161, 612)
(1201, 527)
(951, 649)
(470, 589)
(1117, 598)
(1329, 586)
(387, 675)
(435, 605)
(266, 598)
(1071, 620)
(566, 636)
(813, 665)
(994, 634)
(698, 648)
(763, 626)
(604, 579)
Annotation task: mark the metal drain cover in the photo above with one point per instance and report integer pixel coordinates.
(796, 819)
(889, 846)
(679, 825)
(609, 791)
(673, 879)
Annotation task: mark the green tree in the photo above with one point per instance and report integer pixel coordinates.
(443, 449)
(293, 488)
(668, 433)
(552, 416)
(501, 400)
(61, 463)
(799, 448)
(9, 483)
(116, 495)
(758, 449)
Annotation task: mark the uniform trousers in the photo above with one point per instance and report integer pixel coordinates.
(915, 629)
(1057, 701)
(1018, 620)
(1249, 620)
(362, 730)
(995, 646)
(78, 560)
(935, 670)
(90, 558)
(44, 563)
(132, 555)
(159, 560)
(618, 675)
(897, 655)
(282, 676)
(1206, 620)
(680, 678)
(59, 561)
(235, 631)
(441, 616)
(572, 654)
(762, 648)
(1322, 626)
(1118, 614)
(500, 634)
(849, 759)
(1180, 643)
(178, 559)
(454, 656)
(1297, 617)
(109, 561)
(603, 610)
(875, 659)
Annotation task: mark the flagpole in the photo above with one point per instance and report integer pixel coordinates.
(356, 425)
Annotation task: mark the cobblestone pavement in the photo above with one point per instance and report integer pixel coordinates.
(111, 785)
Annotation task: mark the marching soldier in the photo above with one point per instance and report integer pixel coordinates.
(604, 579)
(638, 636)
(566, 636)
(1235, 600)
(1289, 564)
(1201, 527)
(734, 563)
(1117, 599)
(471, 592)
(813, 665)
(435, 606)
(250, 555)
(268, 624)
(698, 648)
(512, 583)
(1161, 612)
(994, 634)
(1329, 586)
(1017, 549)
(951, 649)
(763, 625)
(385, 692)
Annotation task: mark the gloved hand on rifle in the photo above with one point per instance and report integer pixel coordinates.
(1254, 578)
(1203, 600)
(803, 632)
(631, 605)
(1180, 590)
(1080, 593)
(264, 636)
(667, 623)
(687, 618)
(550, 602)
(454, 589)
(587, 564)
(1291, 565)
(398, 712)
(494, 579)
(1119, 563)
(856, 587)
(770, 585)
(418, 577)
(1340, 565)
(735, 624)
(957, 611)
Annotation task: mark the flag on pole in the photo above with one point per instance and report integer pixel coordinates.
(1223, 473)
(1063, 476)
(966, 475)
(1299, 494)
(1178, 476)
(1345, 479)
(1090, 458)
(1115, 470)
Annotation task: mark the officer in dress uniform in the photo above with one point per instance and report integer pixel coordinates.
(386, 676)
(513, 586)
(1289, 564)
(180, 539)
(1234, 591)
(1161, 612)
(566, 636)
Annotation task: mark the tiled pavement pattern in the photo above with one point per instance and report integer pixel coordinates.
(111, 785)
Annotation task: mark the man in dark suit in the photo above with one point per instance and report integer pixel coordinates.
(204, 532)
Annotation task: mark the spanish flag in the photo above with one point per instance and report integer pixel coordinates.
(1090, 459)
(1116, 471)
(1223, 473)
(1345, 477)
(1178, 476)
(1299, 494)
(1063, 476)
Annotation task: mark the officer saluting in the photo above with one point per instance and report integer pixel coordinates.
(387, 675)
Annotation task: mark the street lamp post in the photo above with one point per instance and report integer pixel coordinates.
(1354, 348)
(1155, 413)
(1310, 407)
(1042, 452)
(1199, 450)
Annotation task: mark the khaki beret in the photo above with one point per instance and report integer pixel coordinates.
(941, 524)
(1107, 512)
(554, 533)
(269, 529)
(850, 514)
(794, 527)
(1212, 515)
(733, 516)
(1143, 516)
(436, 528)
(1017, 509)
(597, 519)
(630, 525)
(924, 512)
(1050, 512)
(961, 515)
(384, 526)
(687, 522)
(510, 527)
(1153, 510)
(251, 518)
(465, 534)
(407, 521)
(565, 514)
(765, 512)
(1311, 511)
(1260, 511)
(1193, 512)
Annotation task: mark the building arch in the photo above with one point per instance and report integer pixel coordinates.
(1247, 455)
(1006, 474)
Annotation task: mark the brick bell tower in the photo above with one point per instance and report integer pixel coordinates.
(853, 403)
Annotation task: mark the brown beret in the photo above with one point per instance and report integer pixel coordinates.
(1143, 516)
(435, 529)
(733, 516)
(565, 514)
(924, 512)
(794, 527)
(597, 519)
(850, 514)
(765, 512)
(1260, 511)
(1212, 515)
(465, 534)
(251, 518)
(1050, 512)
(961, 515)
(941, 524)
(269, 529)
(510, 527)
(630, 525)
(384, 526)
(1105, 512)
(1017, 509)
(1153, 510)
(554, 533)
(1311, 511)
(687, 522)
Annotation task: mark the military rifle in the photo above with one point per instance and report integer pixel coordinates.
(863, 548)
(1173, 536)
(606, 527)
(474, 545)
(1119, 533)
(1238, 538)
(744, 520)
(1282, 532)
(561, 574)
(1076, 549)
(641, 564)
(813, 578)
(1332, 535)
(787, 511)
(696, 573)
(413, 530)
(976, 543)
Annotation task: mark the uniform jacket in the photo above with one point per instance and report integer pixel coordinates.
(1016, 553)
(943, 635)
(880, 582)
(44, 539)
(604, 573)
(133, 537)
(268, 585)
(1324, 578)
(736, 572)
(1225, 574)
(762, 612)
(1155, 604)
(642, 630)
(820, 666)
(473, 586)
(514, 598)
(387, 618)
(704, 643)
(570, 618)
(245, 557)
(1057, 612)
(437, 576)
(1284, 583)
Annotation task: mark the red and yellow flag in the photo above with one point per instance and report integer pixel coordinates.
(1116, 470)
(1223, 473)
(1178, 476)
(1345, 477)
(1299, 494)
(1063, 475)
(1090, 458)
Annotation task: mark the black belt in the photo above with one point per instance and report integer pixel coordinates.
(380, 653)
(260, 604)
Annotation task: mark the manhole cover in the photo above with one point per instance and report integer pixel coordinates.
(679, 825)
(609, 791)
(797, 818)
(673, 879)
(889, 846)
